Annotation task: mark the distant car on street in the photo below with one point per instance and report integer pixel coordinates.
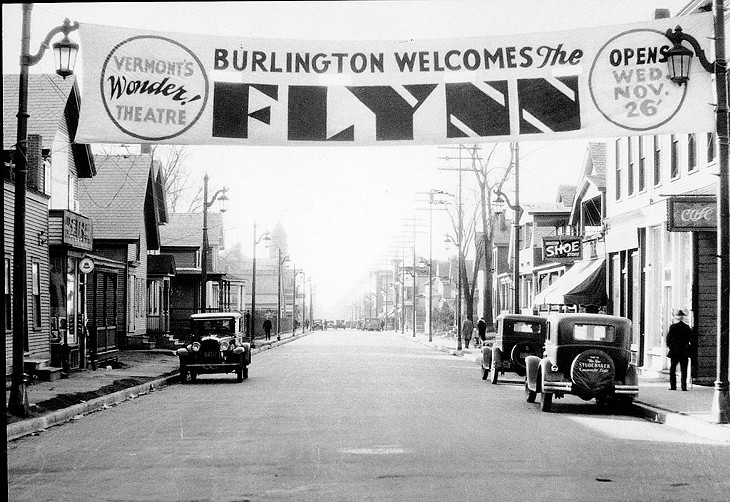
(340, 324)
(372, 324)
(587, 355)
(330, 325)
(317, 324)
(217, 346)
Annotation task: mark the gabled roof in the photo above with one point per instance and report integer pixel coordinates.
(51, 99)
(186, 230)
(593, 173)
(160, 265)
(121, 197)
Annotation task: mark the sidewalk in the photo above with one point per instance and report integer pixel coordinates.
(687, 411)
(135, 373)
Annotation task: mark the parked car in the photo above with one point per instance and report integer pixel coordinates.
(587, 355)
(518, 336)
(372, 324)
(340, 324)
(217, 346)
(317, 324)
(330, 325)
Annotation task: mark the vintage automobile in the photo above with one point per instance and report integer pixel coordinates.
(587, 355)
(372, 324)
(317, 324)
(217, 346)
(340, 324)
(518, 336)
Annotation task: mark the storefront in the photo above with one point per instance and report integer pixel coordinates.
(70, 237)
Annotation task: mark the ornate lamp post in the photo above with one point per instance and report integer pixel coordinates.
(264, 237)
(220, 195)
(679, 60)
(65, 52)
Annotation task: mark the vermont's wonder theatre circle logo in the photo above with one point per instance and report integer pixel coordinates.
(629, 81)
(153, 88)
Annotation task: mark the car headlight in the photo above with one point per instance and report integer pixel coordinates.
(224, 346)
(196, 346)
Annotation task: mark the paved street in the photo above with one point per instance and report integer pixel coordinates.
(349, 415)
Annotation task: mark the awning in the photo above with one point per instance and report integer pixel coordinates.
(583, 284)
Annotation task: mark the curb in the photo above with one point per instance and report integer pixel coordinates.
(682, 422)
(26, 427)
(17, 430)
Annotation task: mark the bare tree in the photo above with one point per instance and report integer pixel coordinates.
(176, 175)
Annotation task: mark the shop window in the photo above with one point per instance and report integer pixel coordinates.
(8, 297)
(674, 157)
(36, 293)
(657, 161)
(691, 152)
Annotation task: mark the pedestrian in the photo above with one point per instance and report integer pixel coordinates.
(247, 324)
(467, 330)
(679, 338)
(482, 330)
(267, 328)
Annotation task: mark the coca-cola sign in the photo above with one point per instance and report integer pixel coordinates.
(686, 213)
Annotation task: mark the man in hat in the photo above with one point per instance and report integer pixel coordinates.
(678, 342)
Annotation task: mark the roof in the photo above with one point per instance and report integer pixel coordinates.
(186, 230)
(160, 265)
(51, 100)
(120, 198)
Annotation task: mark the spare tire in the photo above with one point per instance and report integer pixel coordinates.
(592, 373)
(518, 354)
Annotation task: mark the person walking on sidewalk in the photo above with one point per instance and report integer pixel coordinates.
(467, 330)
(267, 329)
(482, 330)
(679, 338)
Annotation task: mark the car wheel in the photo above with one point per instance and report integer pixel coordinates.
(546, 401)
(530, 395)
(193, 376)
(485, 373)
(183, 374)
(495, 374)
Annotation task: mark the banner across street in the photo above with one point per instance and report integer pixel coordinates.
(159, 87)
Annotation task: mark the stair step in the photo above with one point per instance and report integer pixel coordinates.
(49, 374)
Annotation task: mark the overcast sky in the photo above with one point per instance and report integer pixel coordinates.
(343, 207)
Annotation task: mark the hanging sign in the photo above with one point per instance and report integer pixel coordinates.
(562, 247)
(155, 87)
(691, 213)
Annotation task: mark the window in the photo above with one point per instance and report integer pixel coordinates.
(710, 146)
(674, 153)
(657, 161)
(594, 332)
(630, 170)
(642, 165)
(691, 152)
(8, 297)
(153, 298)
(36, 293)
(197, 263)
(618, 169)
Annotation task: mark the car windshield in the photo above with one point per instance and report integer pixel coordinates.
(218, 326)
(526, 327)
(594, 332)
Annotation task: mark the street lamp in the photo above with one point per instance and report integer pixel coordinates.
(264, 237)
(281, 262)
(679, 59)
(221, 196)
(65, 52)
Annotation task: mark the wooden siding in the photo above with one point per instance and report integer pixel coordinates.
(36, 251)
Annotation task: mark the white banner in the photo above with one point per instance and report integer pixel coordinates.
(154, 87)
